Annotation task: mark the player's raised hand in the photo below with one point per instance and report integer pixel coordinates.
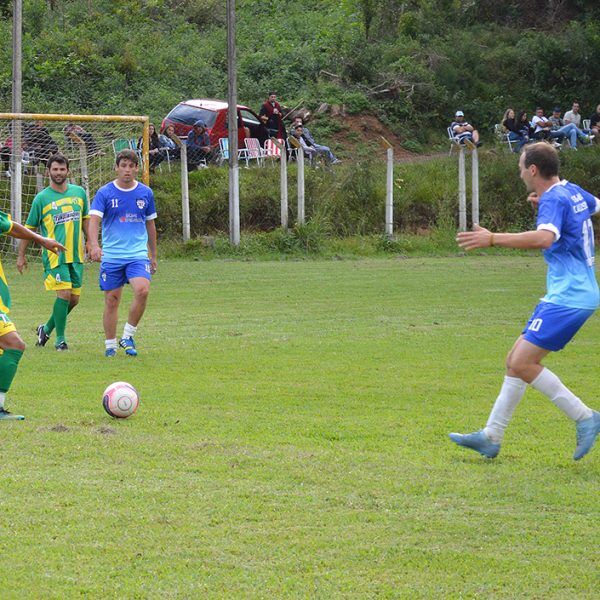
(21, 264)
(52, 245)
(533, 198)
(478, 238)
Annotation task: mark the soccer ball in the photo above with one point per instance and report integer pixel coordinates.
(120, 400)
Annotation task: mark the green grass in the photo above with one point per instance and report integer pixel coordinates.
(292, 440)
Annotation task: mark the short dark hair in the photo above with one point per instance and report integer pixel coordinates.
(59, 158)
(127, 155)
(544, 157)
(539, 108)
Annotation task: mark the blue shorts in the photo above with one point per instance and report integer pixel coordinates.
(113, 275)
(552, 326)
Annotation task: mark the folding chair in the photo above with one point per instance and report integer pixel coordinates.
(503, 136)
(224, 152)
(272, 150)
(254, 151)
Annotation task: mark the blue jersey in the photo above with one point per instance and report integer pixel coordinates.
(565, 209)
(124, 214)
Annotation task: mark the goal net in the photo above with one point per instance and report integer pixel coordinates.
(89, 142)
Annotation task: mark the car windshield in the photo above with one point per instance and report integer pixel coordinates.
(188, 115)
(248, 117)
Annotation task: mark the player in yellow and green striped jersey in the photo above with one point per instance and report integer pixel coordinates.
(11, 344)
(60, 211)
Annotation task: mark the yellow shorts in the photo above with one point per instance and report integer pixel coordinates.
(6, 325)
(65, 277)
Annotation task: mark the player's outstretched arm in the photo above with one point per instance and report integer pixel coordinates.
(22, 233)
(94, 250)
(483, 238)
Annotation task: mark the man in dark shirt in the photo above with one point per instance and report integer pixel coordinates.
(270, 114)
(595, 121)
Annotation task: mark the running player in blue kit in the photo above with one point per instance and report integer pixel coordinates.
(128, 254)
(565, 234)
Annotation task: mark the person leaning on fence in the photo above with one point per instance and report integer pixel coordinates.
(514, 130)
(464, 132)
(323, 150)
(155, 152)
(198, 145)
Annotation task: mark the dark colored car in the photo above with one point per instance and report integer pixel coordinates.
(214, 114)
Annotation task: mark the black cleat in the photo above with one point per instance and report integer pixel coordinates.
(43, 337)
(62, 347)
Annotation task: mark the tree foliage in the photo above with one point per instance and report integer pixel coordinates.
(413, 62)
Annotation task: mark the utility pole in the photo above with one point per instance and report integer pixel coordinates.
(234, 170)
(17, 86)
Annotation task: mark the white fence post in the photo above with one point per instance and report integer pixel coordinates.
(462, 190)
(475, 182)
(389, 194)
(185, 194)
(284, 184)
(300, 160)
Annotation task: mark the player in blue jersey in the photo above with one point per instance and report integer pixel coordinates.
(128, 254)
(565, 234)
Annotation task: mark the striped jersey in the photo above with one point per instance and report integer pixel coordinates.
(5, 227)
(59, 215)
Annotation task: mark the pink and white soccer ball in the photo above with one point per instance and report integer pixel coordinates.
(120, 400)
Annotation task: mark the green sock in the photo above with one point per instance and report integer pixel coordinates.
(9, 361)
(49, 326)
(60, 312)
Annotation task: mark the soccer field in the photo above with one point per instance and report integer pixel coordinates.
(292, 440)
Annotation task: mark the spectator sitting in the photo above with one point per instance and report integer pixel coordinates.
(155, 152)
(514, 130)
(571, 131)
(298, 134)
(40, 142)
(524, 125)
(595, 121)
(573, 116)
(270, 114)
(324, 150)
(198, 145)
(464, 132)
(542, 126)
(170, 142)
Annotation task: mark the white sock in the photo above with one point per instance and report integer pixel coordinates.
(2, 399)
(550, 385)
(111, 344)
(129, 330)
(510, 394)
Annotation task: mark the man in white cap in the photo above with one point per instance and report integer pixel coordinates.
(464, 132)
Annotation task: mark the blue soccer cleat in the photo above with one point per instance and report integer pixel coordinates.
(8, 416)
(587, 431)
(129, 346)
(477, 441)
(110, 352)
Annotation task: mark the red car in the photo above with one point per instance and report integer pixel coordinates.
(214, 114)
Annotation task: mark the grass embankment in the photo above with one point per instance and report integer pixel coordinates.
(292, 441)
(345, 206)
